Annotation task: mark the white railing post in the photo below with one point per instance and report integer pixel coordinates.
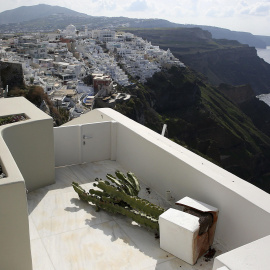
(113, 140)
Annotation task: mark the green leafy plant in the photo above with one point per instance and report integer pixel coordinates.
(120, 195)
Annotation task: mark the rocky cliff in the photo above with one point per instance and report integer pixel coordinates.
(220, 60)
(244, 97)
(234, 66)
(202, 119)
(259, 113)
(237, 94)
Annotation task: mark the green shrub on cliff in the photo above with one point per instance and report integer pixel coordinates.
(202, 119)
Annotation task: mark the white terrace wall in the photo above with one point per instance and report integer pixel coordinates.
(30, 142)
(15, 250)
(27, 158)
(84, 143)
(67, 145)
(94, 116)
(240, 220)
(244, 209)
(253, 256)
(31, 145)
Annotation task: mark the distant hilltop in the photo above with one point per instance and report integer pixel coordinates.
(40, 18)
(28, 13)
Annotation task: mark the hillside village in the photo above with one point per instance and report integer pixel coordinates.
(79, 69)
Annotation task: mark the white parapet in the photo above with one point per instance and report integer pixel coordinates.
(182, 172)
(253, 256)
(27, 159)
(30, 142)
(178, 232)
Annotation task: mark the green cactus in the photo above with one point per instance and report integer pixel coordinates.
(121, 196)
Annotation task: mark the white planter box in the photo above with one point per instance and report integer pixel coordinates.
(178, 233)
(185, 235)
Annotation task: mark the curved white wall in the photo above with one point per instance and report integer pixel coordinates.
(27, 157)
(31, 145)
(15, 252)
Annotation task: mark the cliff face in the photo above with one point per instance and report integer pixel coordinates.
(259, 112)
(202, 119)
(243, 96)
(220, 60)
(235, 66)
(237, 94)
(242, 37)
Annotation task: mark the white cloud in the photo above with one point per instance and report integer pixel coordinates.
(220, 13)
(260, 9)
(139, 5)
(253, 8)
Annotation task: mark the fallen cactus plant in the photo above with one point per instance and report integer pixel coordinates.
(120, 195)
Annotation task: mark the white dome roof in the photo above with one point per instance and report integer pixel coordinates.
(71, 27)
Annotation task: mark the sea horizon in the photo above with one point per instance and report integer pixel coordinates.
(264, 54)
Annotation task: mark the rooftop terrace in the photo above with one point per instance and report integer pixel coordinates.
(65, 233)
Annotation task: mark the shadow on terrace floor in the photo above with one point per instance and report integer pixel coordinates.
(75, 236)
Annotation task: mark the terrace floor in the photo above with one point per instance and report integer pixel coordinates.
(67, 233)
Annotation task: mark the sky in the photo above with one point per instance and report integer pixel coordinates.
(240, 15)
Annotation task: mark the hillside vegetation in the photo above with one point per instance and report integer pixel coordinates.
(202, 119)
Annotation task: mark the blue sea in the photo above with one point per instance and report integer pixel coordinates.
(264, 54)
